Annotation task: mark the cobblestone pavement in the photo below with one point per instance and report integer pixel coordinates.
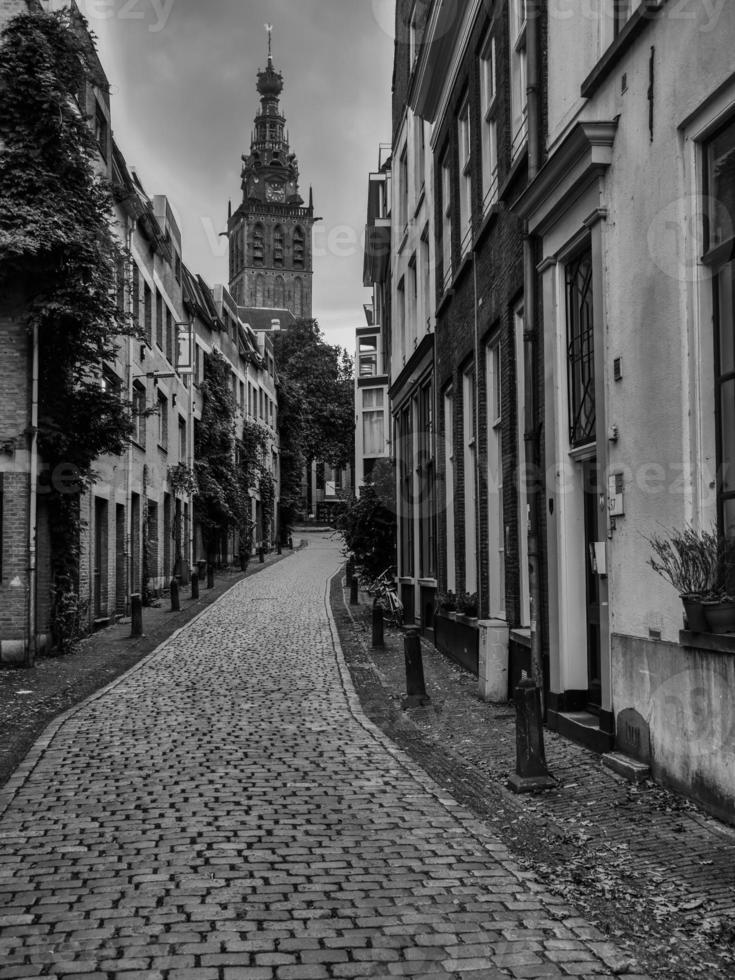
(225, 810)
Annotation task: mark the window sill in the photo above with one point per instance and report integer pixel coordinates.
(714, 642)
(163, 448)
(420, 201)
(636, 24)
(404, 239)
(444, 300)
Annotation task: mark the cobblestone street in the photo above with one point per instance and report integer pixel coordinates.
(225, 810)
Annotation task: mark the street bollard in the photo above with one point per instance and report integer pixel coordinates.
(194, 585)
(290, 542)
(210, 575)
(378, 640)
(531, 771)
(175, 600)
(415, 684)
(261, 554)
(349, 570)
(279, 550)
(136, 614)
(354, 591)
(201, 569)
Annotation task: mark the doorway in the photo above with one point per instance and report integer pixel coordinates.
(592, 585)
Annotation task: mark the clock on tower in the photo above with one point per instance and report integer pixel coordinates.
(275, 193)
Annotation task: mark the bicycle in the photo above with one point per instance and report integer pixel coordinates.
(385, 596)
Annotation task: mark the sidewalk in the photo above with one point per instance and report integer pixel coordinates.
(646, 865)
(30, 699)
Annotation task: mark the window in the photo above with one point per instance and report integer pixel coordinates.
(488, 89)
(110, 382)
(177, 267)
(720, 235)
(279, 292)
(183, 448)
(260, 290)
(580, 350)
(101, 130)
(298, 297)
(446, 196)
(496, 524)
(465, 177)
(368, 357)
(419, 155)
(622, 10)
(403, 191)
(425, 279)
(159, 321)
(162, 421)
(120, 283)
(449, 489)
(148, 313)
(169, 336)
(135, 290)
(412, 298)
(414, 35)
(278, 246)
(299, 249)
(401, 317)
(258, 245)
(373, 422)
(518, 94)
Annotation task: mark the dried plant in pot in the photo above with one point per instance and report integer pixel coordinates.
(446, 602)
(468, 604)
(692, 562)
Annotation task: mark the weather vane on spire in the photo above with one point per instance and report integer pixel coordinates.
(269, 29)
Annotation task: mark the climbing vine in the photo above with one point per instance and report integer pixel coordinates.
(227, 465)
(58, 251)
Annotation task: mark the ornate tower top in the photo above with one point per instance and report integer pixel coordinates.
(271, 171)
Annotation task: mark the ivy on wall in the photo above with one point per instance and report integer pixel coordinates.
(57, 245)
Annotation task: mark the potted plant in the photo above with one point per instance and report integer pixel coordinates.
(446, 603)
(691, 561)
(468, 604)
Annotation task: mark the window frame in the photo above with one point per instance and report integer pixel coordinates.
(580, 386)
(489, 122)
(464, 149)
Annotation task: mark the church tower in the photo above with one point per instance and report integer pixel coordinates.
(270, 234)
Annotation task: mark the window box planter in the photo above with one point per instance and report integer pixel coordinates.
(458, 638)
(719, 616)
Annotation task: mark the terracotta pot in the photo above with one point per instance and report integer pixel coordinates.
(694, 612)
(720, 616)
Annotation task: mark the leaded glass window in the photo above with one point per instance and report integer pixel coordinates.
(580, 350)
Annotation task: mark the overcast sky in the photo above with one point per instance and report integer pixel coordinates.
(183, 76)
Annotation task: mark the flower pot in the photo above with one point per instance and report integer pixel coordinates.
(696, 621)
(720, 616)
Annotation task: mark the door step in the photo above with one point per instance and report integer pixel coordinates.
(624, 765)
(582, 727)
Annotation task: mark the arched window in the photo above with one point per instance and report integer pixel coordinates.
(298, 297)
(298, 248)
(278, 295)
(258, 245)
(278, 247)
(260, 290)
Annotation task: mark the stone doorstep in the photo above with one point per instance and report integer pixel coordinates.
(625, 765)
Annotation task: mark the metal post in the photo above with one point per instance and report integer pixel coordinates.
(210, 575)
(136, 614)
(175, 599)
(261, 554)
(531, 771)
(279, 549)
(290, 542)
(194, 581)
(415, 684)
(378, 640)
(354, 591)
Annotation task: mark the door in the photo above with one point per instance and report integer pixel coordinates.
(592, 586)
(100, 558)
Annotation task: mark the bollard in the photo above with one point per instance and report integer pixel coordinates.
(349, 570)
(354, 591)
(378, 640)
(290, 542)
(175, 600)
(261, 554)
(201, 569)
(194, 585)
(279, 550)
(531, 772)
(415, 684)
(210, 575)
(136, 614)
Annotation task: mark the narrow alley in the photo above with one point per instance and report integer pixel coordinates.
(225, 810)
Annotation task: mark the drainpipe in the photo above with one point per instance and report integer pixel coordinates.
(476, 434)
(127, 539)
(530, 337)
(30, 657)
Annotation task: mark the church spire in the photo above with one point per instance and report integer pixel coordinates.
(269, 29)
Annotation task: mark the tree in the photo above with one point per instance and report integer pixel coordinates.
(316, 407)
(57, 246)
(369, 523)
